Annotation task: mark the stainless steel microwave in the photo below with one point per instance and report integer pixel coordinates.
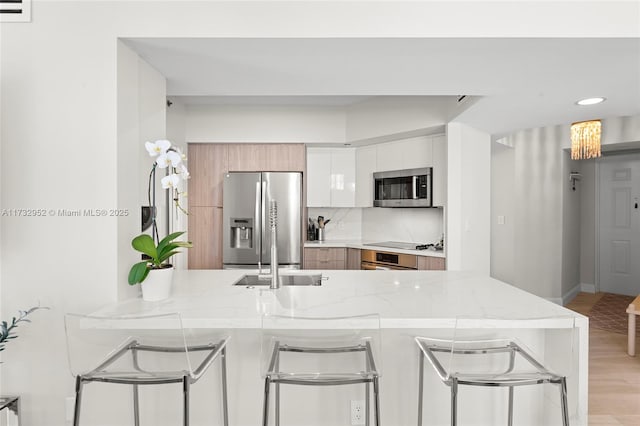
(403, 188)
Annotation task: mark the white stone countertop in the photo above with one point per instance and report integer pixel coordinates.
(404, 299)
(409, 303)
(359, 244)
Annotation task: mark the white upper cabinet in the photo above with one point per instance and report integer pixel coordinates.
(409, 153)
(318, 177)
(439, 164)
(366, 158)
(343, 177)
(331, 177)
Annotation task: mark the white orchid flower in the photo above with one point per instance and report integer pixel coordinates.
(158, 147)
(182, 154)
(169, 157)
(170, 181)
(184, 173)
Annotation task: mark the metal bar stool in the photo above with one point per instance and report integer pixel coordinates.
(11, 406)
(356, 335)
(489, 363)
(141, 350)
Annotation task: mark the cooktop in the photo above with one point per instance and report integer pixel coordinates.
(400, 245)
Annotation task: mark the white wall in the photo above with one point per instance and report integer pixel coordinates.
(264, 124)
(547, 246)
(503, 177)
(571, 226)
(467, 216)
(394, 115)
(588, 205)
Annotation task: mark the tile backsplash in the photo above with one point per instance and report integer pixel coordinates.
(346, 223)
(381, 224)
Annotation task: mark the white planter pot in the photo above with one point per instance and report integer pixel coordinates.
(157, 285)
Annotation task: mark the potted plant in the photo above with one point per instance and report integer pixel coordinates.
(154, 274)
(7, 330)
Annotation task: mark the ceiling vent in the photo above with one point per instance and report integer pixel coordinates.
(15, 10)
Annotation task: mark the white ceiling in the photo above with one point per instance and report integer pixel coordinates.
(523, 83)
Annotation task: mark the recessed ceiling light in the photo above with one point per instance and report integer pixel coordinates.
(590, 101)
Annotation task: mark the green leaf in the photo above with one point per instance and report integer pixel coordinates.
(138, 272)
(168, 255)
(168, 239)
(144, 244)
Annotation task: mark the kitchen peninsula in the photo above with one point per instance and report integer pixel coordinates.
(410, 303)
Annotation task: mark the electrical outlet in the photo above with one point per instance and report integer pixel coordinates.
(357, 412)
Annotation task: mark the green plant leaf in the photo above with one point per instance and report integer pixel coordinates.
(168, 239)
(138, 272)
(144, 244)
(168, 255)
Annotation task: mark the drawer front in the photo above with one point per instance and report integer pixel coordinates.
(324, 264)
(325, 254)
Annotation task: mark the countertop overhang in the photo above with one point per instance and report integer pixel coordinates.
(403, 299)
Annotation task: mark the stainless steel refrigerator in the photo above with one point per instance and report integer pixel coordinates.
(247, 235)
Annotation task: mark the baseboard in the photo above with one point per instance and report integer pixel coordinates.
(588, 288)
(556, 300)
(570, 295)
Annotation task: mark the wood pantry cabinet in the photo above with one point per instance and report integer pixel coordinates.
(325, 258)
(208, 163)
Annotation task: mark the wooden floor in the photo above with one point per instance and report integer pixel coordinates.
(614, 377)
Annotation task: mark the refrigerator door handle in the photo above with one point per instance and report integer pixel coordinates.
(263, 223)
(257, 236)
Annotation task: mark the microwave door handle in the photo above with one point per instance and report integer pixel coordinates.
(414, 187)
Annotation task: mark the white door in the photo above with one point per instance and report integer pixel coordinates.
(620, 224)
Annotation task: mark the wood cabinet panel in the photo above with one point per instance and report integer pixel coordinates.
(353, 259)
(325, 258)
(205, 232)
(271, 157)
(207, 165)
(428, 263)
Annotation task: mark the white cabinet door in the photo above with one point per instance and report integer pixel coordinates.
(439, 177)
(343, 177)
(331, 177)
(366, 158)
(318, 177)
(389, 157)
(416, 152)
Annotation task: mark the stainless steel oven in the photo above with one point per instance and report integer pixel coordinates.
(403, 188)
(382, 260)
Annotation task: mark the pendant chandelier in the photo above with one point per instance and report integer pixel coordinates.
(585, 139)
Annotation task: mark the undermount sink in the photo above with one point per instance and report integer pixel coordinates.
(285, 280)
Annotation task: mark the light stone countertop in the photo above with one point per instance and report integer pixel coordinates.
(363, 245)
(404, 299)
(409, 303)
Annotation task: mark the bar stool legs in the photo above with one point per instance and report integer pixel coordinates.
(136, 406)
(76, 413)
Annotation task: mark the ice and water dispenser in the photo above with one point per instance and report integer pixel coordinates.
(241, 232)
